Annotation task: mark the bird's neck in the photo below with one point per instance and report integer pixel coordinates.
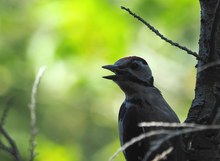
(140, 93)
(132, 89)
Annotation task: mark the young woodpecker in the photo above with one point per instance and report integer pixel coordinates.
(143, 103)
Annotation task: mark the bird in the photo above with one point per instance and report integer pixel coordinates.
(143, 103)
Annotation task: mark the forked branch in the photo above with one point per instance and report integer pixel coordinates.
(12, 148)
(187, 128)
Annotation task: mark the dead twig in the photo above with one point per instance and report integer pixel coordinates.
(162, 36)
(136, 139)
(5, 111)
(13, 150)
(167, 124)
(32, 108)
(190, 128)
(163, 155)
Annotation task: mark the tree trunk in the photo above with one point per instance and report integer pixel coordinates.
(205, 108)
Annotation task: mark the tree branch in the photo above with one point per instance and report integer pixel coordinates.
(162, 36)
(13, 149)
(163, 155)
(5, 111)
(189, 128)
(32, 108)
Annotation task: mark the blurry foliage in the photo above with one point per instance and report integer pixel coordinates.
(76, 108)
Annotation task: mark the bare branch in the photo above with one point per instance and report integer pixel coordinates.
(5, 148)
(33, 112)
(13, 150)
(166, 124)
(5, 111)
(162, 36)
(208, 65)
(136, 139)
(169, 135)
(163, 155)
(174, 133)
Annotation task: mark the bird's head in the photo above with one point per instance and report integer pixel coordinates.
(130, 73)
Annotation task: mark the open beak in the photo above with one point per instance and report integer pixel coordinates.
(115, 69)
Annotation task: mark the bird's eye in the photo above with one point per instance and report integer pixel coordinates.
(135, 66)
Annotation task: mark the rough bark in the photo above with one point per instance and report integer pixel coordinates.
(205, 107)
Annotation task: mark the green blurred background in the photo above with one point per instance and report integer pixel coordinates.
(77, 109)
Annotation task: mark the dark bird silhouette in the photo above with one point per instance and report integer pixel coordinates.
(143, 103)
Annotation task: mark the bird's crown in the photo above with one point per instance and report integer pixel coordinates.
(130, 59)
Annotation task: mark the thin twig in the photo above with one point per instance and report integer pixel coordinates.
(158, 143)
(170, 134)
(163, 155)
(167, 124)
(33, 112)
(162, 36)
(13, 149)
(5, 148)
(208, 65)
(5, 111)
(136, 139)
